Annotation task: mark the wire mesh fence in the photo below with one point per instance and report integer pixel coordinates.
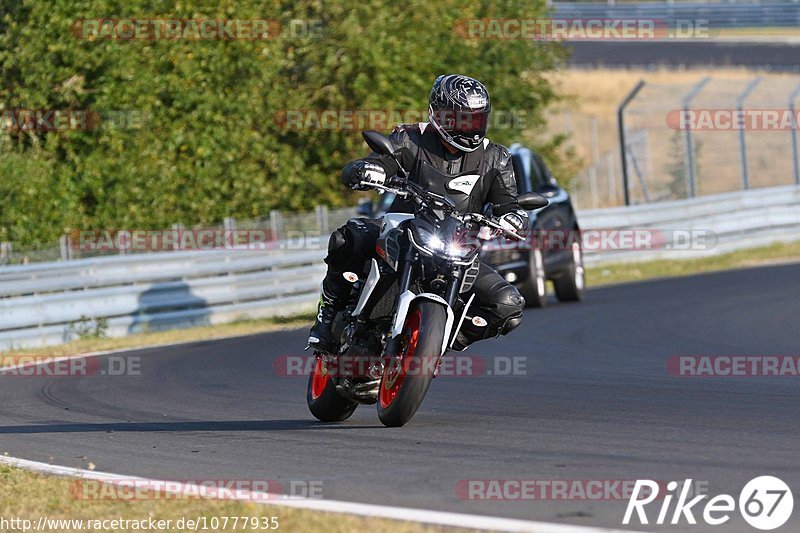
(705, 136)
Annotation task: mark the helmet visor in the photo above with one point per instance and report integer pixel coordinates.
(462, 124)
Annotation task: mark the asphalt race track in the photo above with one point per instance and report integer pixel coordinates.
(760, 55)
(597, 403)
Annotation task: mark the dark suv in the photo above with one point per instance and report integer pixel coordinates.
(553, 251)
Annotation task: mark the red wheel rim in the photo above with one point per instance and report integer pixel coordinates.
(320, 379)
(396, 373)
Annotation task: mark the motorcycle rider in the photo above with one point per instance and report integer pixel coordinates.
(449, 155)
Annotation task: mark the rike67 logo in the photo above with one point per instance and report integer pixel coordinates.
(765, 503)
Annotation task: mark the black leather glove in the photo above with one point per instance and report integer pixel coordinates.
(517, 221)
(363, 170)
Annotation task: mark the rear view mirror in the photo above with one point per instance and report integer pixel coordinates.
(378, 143)
(532, 200)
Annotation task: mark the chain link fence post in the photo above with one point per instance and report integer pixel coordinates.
(793, 131)
(742, 144)
(178, 230)
(229, 230)
(5, 253)
(276, 224)
(623, 148)
(691, 165)
(65, 244)
(323, 220)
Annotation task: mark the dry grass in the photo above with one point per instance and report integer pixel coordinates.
(744, 33)
(173, 336)
(594, 95)
(599, 91)
(28, 495)
(780, 253)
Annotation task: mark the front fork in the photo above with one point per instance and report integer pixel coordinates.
(394, 343)
(453, 288)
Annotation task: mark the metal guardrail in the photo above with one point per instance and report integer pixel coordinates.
(719, 15)
(734, 220)
(50, 303)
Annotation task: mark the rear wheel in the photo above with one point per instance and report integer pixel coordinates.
(408, 375)
(534, 289)
(571, 284)
(324, 402)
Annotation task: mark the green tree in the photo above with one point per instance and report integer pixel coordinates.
(209, 142)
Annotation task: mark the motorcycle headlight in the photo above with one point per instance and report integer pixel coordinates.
(430, 242)
(455, 249)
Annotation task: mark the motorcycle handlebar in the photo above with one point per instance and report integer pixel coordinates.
(491, 222)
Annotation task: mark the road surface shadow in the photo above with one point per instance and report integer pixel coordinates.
(200, 425)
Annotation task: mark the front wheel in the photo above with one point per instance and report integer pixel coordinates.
(324, 402)
(408, 374)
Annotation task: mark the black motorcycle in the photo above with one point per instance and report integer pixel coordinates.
(404, 316)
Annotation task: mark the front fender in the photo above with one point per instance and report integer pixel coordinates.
(404, 303)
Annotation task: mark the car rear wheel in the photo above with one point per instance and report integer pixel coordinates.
(571, 284)
(534, 289)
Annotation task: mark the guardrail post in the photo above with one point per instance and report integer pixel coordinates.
(742, 145)
(323, 222)
(793, 131)
(65, 244)
(276, 224)
(622, 147)
(691, 167)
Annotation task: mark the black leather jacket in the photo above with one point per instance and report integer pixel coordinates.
(470, 179)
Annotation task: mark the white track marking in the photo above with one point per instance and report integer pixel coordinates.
(441, 518)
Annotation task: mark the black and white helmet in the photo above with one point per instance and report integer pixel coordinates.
(459, 108)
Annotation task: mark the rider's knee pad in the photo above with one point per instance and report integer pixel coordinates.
(340, 251)
(336, 242)
(508, 302)
(508, 307)
(344, 247)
